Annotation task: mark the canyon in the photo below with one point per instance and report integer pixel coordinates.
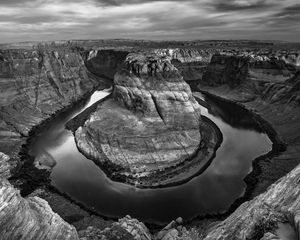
(36, 84)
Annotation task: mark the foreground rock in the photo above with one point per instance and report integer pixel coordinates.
(152, 126)
(126, 228)
(30, 218)
(253, 219)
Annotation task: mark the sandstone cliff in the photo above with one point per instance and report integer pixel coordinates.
(150, 127)
(234, 70)
(34, 84)
(30, 218)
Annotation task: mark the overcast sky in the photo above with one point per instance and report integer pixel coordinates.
(26, 20)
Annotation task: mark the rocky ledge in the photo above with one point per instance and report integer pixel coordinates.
(150, 134)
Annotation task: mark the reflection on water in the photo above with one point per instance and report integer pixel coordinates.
(211, 192)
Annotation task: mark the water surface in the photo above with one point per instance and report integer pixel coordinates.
(211, 192)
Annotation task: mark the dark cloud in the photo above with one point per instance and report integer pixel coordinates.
(292, 11)
(288, 17)
(234, 5)
(14, 2)
(126, 2)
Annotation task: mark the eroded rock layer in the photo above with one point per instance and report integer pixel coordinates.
(34, 84)
(150, 127)
(30, 218)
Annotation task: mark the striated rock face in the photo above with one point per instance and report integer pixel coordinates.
(30, 218)
(234, 70)
(34, 84)
(37, 83)
(152, 124)
(286, 92)
(5, 166)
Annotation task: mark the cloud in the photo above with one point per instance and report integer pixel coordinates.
(148, 19)
(127, 2)
(233, 5)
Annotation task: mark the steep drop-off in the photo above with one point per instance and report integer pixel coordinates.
(34, 85)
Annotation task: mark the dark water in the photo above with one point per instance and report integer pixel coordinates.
(211, 192)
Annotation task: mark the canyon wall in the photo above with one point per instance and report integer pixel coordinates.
(35, 84)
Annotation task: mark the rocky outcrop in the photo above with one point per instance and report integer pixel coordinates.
(125, 228)
(253, 219)
(30, 218)
(151, 128)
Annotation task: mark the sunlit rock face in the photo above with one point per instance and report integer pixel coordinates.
(151, 124)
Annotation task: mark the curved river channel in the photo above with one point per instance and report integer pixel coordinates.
(211, 192)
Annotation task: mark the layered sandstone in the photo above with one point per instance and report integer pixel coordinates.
(34, 84)
(150, 127)
(234, 70)
(30, 218)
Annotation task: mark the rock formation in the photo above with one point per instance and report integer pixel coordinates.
(126, 228)
(30, 218)
(234, 70)
(190, 62)
(34, 84)
(150, 127)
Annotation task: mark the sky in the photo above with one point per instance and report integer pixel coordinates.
(36, 20)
